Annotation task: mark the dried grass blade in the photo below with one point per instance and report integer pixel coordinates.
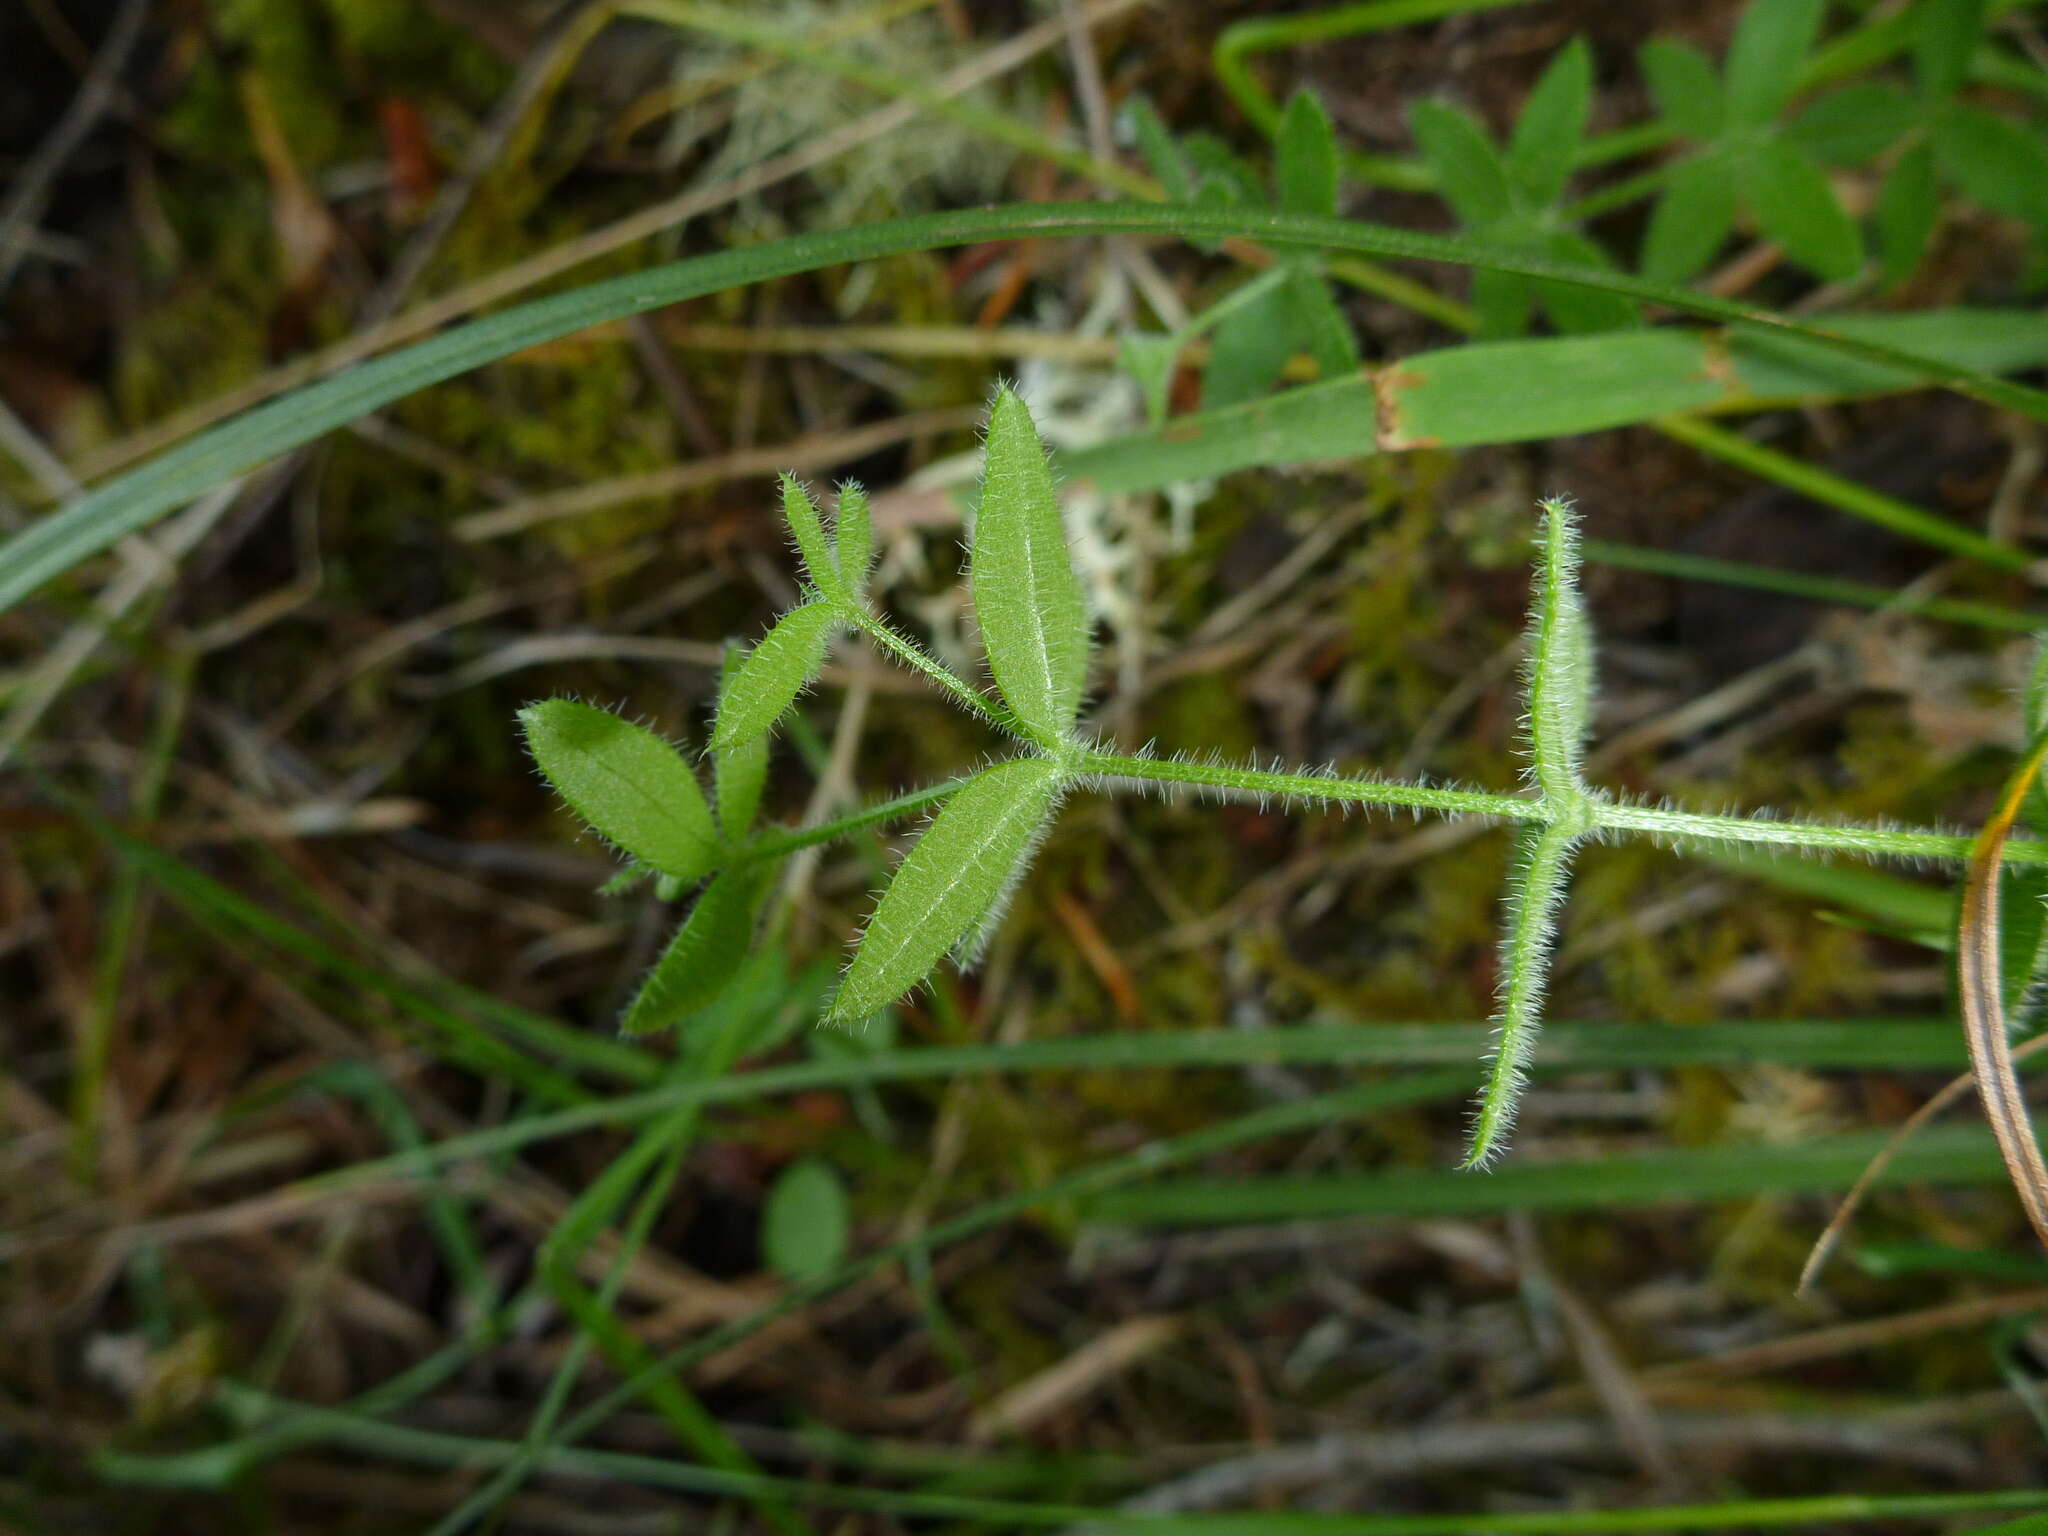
(1979, 981)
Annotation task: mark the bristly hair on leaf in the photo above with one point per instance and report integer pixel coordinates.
(1559, 670)
(633, 788)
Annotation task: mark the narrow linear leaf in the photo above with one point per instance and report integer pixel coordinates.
(1536, 888)
(1771, 42)
(703, 957)
(778, 668)
(1468, 172)
(853, 537)
(1305, 157)
(630, 785)
(1691, 220)
(1945, 35)
(1027, 598)
(976, 845)
(807, 530)
(1908, 207)
(1553, 120)
(739, 773)
(807, 1221)
(1797, 208)
(1162, 156)
(1979, 986)
(1685, 88)
(1559, 676)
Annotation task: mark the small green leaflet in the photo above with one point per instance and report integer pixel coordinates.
(807, 1222)
(1771, 43)
(808, 530)
(1026, 596)
(1305, 163)
(1553, 120)
(971, 853)
(703, 957)
(776, 670)
(629, 784)
(853, 537)
(739, 773)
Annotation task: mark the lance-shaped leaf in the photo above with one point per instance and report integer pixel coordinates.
(629, 784)
(1691, 219)
(1162, 155)
(1687, 91)
(1560, 663)
(778, 668)
(703, 957)
(807, 529)
(1027, 598)
(739, 773)
(1771, 42)
(1535, 889)
(1797, 208)
(1553, 120)
(853, 537)
(976, 846)
(1305, 160)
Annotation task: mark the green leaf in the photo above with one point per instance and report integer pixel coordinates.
(807, 529)
(1685, 88)
(1502, 300)
(778, 668)
(807, 1222)
(1796, 207)
(1583, 310)
(1027, 598)
(629, 784)
(740, 772)
(1691, 219)
(853, 537)
(1945, 35)
(974, 851)
(1318, 325)
(1468, 172)
(1553, 120)
(703, 957)
(1997, 164)
(1161, 154)
(1855, 124)
(1771, 42)
(1247, 350)
(1908, 205)
(1215, 162)
(1305, 159)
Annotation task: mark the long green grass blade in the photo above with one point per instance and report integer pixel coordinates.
(93, 522)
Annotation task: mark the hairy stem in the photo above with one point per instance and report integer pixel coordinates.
(917, 659)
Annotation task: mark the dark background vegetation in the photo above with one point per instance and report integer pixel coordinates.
(316, 715)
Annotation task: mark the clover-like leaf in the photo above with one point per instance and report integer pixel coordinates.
(1683, 84)
(975, 848)
(1553, 120)
(778, 668)
(1691, 219)
(1797, 208)
(1771, 43)
(1908, 205)
(853, 538)
(1027, 598)
(1305, 160)
(807, 530)
(1161, 154)
(630, 785)
(703, 957)
(739, 772)
(1468, 171)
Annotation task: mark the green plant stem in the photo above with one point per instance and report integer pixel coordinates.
(1815, 589)
(1836, 490)
(775, 845)
(917, 659)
